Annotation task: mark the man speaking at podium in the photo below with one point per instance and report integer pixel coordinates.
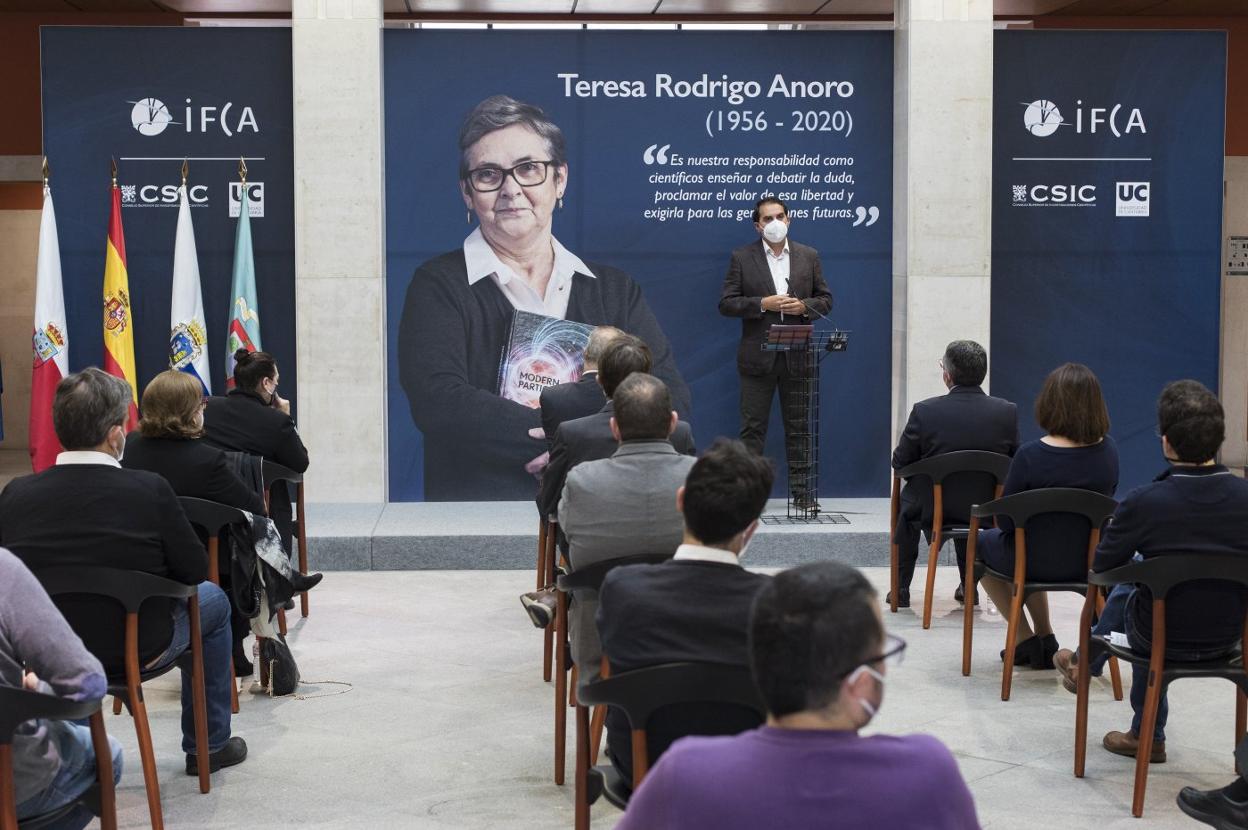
(773, 281)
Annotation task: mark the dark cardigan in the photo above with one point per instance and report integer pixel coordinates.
(451, 340)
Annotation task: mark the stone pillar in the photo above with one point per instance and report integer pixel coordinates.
(942, 177)
(340, 247)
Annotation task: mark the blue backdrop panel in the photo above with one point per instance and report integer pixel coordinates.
(225, 93)
(1106, 222)
(433, 79)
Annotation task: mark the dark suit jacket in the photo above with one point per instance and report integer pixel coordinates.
(588, 439)
(677, 611)
(242, 422)
(569, 401)
(193, 468)
(98, 515)
(451, 341)
(749, 280)
(963, 419)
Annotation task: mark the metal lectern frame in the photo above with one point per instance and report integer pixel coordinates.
(805, 347)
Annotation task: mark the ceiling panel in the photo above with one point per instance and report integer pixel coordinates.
(615, 6)
(39, 6)
(843, 7)
(228, 6)
(759, 7)
(495, 7)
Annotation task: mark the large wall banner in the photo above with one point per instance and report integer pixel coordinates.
(1107, 216)
(149, 98)
(669, 138)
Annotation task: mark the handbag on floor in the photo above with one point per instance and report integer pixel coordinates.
(283, 671)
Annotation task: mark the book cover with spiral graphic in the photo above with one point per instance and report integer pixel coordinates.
(541, 351)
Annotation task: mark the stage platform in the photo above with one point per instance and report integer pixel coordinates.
(503, 536)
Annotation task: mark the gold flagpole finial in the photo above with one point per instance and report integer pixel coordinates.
(185, 170)
(114, 172)
(45, 171)
(242, 169)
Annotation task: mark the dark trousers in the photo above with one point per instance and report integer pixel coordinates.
(757, 392)
(911, 524)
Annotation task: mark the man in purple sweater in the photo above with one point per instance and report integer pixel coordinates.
(819, 654)
(53, 761)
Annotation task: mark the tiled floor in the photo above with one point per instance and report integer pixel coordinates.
(447, 723)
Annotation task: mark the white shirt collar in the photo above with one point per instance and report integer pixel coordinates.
(481, 262)
(767, 250)
(86, 457)
(698, 553)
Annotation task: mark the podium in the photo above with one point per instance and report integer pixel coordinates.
(805, 349)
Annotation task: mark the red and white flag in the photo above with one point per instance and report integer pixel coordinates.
(50, 342)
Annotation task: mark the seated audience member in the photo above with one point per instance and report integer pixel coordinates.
(1197, 506)
(964, 419)
(254, 419)
(590, 438)
(818, 652)
(1225, 808)
(167, 443)
(624, 505)
(88, 511)
(1076, 452)
(695, 607)
(569, 401)
(53, 760)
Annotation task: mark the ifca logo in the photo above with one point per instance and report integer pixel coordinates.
(1041, 118)
(150, 116)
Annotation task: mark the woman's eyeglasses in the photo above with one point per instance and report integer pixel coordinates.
(526, 174)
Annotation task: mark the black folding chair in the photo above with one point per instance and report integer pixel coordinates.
(1161, 575)
(640, 694)
(1020, 508)
(131, 589)
(963, 464)
(214, 517)
(274, 473)
(583, 583)
(18, 706)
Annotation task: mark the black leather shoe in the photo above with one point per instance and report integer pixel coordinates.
(302, 583)
(960, 595)
(903, 599)
(1029, 652)
(234, 752)
(1214, 808)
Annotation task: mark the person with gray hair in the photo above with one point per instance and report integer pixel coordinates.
(87, 511)
(513, 177)
(964, 419)
(568, 401)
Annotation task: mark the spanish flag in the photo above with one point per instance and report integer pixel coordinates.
(118, 321)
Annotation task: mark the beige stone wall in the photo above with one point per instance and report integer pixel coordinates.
(1234, 380)
(19, 240)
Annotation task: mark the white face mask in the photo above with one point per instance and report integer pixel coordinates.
(867, 706)
(121, 450)
(775, 231)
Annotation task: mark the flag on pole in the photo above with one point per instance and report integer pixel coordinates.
(51, 339)
(118, 321)
(244, 329)
(188, 334)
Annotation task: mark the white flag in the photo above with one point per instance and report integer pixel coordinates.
(188, 332)
(51, 340)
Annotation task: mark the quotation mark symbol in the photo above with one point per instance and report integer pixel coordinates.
(651, 157)
(868, 215)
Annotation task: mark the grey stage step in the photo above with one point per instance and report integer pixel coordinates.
(503, 535)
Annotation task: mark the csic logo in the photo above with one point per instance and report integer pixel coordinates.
(1131, 199)
(156, 195)
(255, 199)
(1041, 118)
(1053, 195)
(150, 117)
